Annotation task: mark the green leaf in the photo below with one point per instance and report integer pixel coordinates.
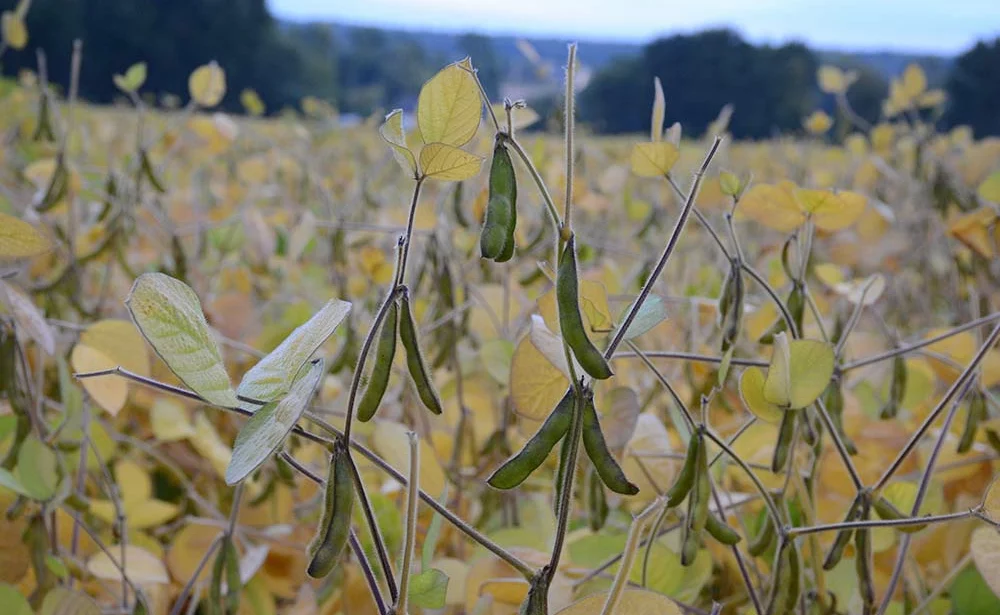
(12, 602)
(62, 601)
(133, 78)
(170, 317)
(37, 469)
(970, 595)
(651, 313)
(56, 566)
(272, 376)
(270, 425)
(8, 480)
(449, 107)
(429, 589)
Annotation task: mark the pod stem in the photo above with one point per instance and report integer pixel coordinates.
(628, 555)
(568, 119)
(410, 535)
(565, 494)
(668, 250)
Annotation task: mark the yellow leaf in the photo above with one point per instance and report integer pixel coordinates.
(449, 107)
(536, 385)
(914, 81)
(187, 548)
(752, 392)
(389, 440)
(829, 274)
(840, 212)
(121, 342)
(207, 84)
(773, 206)
(252, 103)
(972, 229)
(799, 372)
(169, 421)
(18, 239)
(659, 111)
(392, 132)
(654, 159)
(507, 591)
(831, 79)
(141, 566)
(207, 442)
(14, 34)
(818, 122)
(631, 602)
(991, 501)
(108, 392)
(642, 460)
(985, 545)
(448, 163)
(989, 190)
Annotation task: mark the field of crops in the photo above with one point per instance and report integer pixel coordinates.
(809, 366)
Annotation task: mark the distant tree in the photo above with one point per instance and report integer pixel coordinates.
(771, 88)
(484, 57)
(974, 89)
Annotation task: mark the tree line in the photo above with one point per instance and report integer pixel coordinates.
(364, 70)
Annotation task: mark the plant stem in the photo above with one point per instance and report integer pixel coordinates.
(568, 118)
(366, 569)
(410, 534)
(785, 314)
(878, 523)
(373, 528)
(839, 445)
(550, 205)
(687, 356)
(956, 386)
(667, 250)
(764, 494)
(408, 235)
(565, 494)
(628, 555)
(889, 354)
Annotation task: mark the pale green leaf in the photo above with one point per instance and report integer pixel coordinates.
(429, 589)
(652, 312)
(133, 78)
(207, 84)
(270, 425)
(12, 602)
(169, 315)
(752, 392)
(62, 601)
(970, 595)
(37, 469)
(989, 190)
(392, 132)
(272, 376)
(799, 372)
(448, 163)
(449, 107)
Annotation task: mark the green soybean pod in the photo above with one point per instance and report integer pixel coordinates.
(597, 503)
(497, 239)
(886, 510)
(685, 478)
(515, 470)
(764, 538)
(233, 581)
(570, 318)
(833, 401)
(787, 587)
(731, 306)
(863, 567)
(897, 387)
(414, 359)
(721, 531)
(689, 547)
(215, 584)
(977, 412)
(494, 236)
(335, 522)
(786, 430)
(701, 493)
(597, 449)
(385, 352)
(843, 537)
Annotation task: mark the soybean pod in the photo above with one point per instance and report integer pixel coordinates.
(764, 538)
(977, 413)
(786, 587)
(497, 239)
(335, 522)
(378, 382)
(697, 512)
(721, 531)
(685, 479)
(233, 580)
(843, 537)
(897, 387)
(863, 567)
(786, 431)
(597, 449)
(414, 359)
(731, 306)
(571, 320)
(516, 469)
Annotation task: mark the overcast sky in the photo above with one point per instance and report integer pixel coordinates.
(940, 26)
